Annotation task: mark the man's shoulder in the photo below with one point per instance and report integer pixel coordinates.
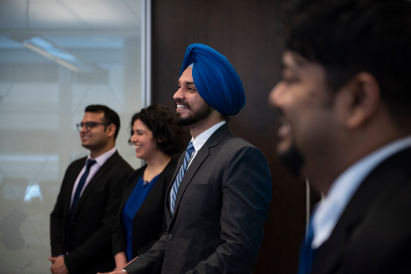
(225, 138)
(232, 146)
(119, 163)
(233, 142)
(76, 163)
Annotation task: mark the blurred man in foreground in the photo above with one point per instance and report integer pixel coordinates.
(345, 97)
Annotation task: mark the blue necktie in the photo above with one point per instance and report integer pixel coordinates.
(180, 175)
(306, 252)
(80, 185)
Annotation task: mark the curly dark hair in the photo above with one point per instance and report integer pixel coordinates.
(161, 121)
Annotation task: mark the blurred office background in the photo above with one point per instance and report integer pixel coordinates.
(57, 57)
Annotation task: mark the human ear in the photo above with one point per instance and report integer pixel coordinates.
(111, 130)
(363, 98)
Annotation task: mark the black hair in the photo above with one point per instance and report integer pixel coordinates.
(351, 36)
(110, 116)
(162, 122)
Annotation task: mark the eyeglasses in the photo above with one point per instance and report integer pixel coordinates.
(89, 125)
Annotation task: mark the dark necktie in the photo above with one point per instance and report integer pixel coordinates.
(180, 175)
(80, 185)
(307, 253)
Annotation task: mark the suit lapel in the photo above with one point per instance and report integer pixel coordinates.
(130, 187)
(156, 192)
(167, 202)
(81, 163)
(102, 170)
(191, 171)
(384, 179)
(201, 156)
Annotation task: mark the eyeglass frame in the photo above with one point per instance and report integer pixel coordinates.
(89, 125)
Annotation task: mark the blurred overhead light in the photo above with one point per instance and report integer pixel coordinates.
(53, 52)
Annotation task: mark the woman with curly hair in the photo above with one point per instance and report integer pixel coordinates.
(155, 136)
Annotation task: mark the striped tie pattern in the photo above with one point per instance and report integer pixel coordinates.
(180, 175)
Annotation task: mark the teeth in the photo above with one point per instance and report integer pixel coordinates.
(137, 147)
(284, 128)
(181, 106)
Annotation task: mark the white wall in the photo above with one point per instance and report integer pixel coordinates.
(41, 101)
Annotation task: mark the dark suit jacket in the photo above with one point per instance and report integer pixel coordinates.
(373, 234)
(149, 223)
(221, 206)
(87, 237)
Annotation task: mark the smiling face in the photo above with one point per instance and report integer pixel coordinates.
(98, 139)
(191, 108)
(308, 123)
(144, 143)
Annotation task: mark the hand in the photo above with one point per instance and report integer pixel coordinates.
(58, 267)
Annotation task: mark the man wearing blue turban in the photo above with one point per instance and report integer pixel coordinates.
(218, 198)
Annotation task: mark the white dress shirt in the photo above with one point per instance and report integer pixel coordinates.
(329, 209)
(100, 160)
(198, 144)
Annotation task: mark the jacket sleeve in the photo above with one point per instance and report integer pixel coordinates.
(151, 261)
(117, 240)
(246, 189)
(148, 246)
(57, 220)
(101, 239)
(168, 174)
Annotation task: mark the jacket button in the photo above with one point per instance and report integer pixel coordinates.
(170, 236)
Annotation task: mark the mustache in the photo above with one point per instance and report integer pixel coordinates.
(278, 112)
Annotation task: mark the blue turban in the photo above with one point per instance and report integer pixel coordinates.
(215, 78)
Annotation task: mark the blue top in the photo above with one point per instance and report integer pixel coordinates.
(136, 199)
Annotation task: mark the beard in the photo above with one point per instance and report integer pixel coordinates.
(195, 116)
(292, 159)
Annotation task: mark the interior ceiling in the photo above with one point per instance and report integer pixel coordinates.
(69, 14)
(84, 23)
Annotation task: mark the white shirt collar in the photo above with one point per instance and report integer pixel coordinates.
(198, 144)
(329, 209)
(203, 137)
(103, 157)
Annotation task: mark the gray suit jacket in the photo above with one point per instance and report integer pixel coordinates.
(221, 206)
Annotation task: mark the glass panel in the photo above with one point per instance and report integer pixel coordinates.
(57, 57)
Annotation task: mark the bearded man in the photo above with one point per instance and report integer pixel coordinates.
(218, 198)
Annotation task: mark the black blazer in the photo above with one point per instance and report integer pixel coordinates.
(87, 237)
(220, 210)
(373, 234)
(149, 223)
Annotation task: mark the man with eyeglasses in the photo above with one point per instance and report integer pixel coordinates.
(87, 205)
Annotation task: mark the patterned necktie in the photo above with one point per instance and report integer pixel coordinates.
(80, 185)
(307, 253)
(180, 175)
